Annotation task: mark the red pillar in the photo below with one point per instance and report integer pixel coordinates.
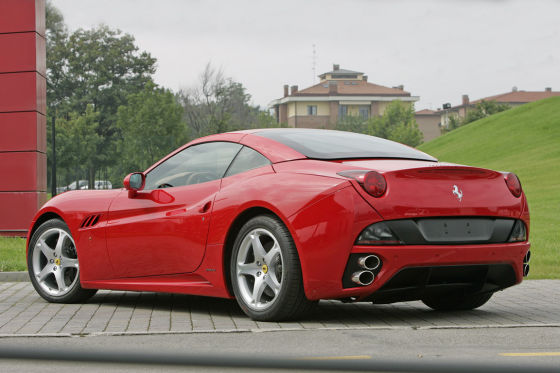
(23, 92)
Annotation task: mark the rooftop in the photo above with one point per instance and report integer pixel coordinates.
(514, 97)
(426, 112)
(520, 96)
(352, 87)
(338, 71)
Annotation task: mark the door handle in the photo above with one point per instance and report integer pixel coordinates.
(206, 207)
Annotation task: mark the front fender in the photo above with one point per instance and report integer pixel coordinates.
(73, 207)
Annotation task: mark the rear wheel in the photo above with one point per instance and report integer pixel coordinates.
(53, 266)
(457, 303)
(265, 271)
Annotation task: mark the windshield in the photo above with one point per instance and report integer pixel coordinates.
(327, 144)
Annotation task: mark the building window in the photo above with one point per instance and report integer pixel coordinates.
(342, 111)
(364, 112)
(311, 109)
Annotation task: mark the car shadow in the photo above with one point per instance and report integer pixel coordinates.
(327, 314)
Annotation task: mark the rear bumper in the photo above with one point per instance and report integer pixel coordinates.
(397, 258)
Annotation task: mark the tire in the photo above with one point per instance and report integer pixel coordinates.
(458, 303)
(264, 255)
(52, 263)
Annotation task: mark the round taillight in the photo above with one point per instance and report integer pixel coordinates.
(375, 184)
(513, 184)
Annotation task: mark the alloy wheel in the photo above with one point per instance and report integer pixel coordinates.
(259, 266)
(55, 262)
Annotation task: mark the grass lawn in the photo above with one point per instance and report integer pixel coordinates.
(12, 254)
(524, 140)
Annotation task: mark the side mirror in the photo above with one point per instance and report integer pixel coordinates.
(134, 182)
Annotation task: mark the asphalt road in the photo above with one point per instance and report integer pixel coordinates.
(481, 345)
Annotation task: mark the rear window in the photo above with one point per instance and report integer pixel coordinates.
(327, 144)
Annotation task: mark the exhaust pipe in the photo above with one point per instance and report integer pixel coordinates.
(525, 270)
(363, 277)
(369, 262)
(526, 260)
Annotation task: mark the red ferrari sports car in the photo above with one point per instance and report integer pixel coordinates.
(281, 218)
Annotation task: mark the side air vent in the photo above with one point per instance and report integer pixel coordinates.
(90, 221)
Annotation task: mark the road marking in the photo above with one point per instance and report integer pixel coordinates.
(349, 357)
(530, 354)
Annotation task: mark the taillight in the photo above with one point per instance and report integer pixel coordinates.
(375, 184)
(513, 184)
(372, 181)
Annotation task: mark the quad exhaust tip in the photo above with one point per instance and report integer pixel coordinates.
(527, 257)
(369, 262)
(363, 277)
(526, 261)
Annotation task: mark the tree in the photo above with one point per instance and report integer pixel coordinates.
(219, 104)
(397, 123)
(57, 56)
(353, 123)
(56, 36)
(481, 110)
(151, 126)
(79, 140)
(101, 67)
(484, 109)
(453, 122)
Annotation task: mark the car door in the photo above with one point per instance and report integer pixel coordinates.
(163, 228)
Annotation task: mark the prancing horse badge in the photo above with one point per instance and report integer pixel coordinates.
(458, 193)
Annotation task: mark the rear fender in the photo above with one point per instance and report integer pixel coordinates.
(325, 234)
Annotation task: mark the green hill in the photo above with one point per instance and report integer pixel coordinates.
(524, 140)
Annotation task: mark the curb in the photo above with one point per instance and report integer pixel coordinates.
(21, 276)
(275, 330)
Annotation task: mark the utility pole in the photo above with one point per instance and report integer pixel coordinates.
(53, 168)
(314, 64)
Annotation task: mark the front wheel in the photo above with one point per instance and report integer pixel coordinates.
(265, 271)
(52, 263)
(457, 303)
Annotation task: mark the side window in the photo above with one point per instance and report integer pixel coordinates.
(196, 164)
(246, 160)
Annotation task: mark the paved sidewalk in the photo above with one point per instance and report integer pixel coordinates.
(24, 313)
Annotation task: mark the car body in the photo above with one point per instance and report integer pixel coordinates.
(353, 217)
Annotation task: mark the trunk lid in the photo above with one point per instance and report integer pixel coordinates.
(424, 189)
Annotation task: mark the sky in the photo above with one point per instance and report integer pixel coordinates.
(438, 49)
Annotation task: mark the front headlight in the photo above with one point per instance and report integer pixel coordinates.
(377, 234)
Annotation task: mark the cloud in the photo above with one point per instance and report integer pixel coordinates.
(437, 49)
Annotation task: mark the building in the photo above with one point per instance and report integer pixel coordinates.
(513, 98)
(340, 93)
(23, 110)
(429, 123)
